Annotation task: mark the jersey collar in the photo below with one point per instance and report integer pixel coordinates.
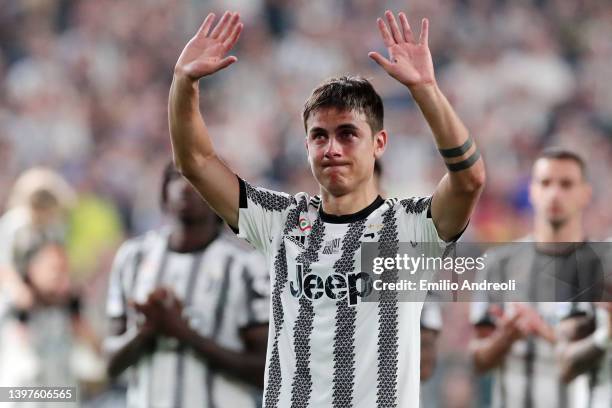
(348, 218)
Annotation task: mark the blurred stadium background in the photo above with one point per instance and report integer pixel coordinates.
(84, 85)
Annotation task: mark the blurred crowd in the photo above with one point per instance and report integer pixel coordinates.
(84, 85)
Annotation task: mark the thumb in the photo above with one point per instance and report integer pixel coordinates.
(380, 60)
(225, 62)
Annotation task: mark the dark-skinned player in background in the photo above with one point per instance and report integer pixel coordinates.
(189, 310)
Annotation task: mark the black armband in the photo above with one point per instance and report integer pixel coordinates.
(457, 151)
(464, 164)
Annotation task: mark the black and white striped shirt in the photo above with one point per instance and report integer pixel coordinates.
(529, 376)
(324, 349)
(223, 289)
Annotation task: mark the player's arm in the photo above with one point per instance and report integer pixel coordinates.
(194, 154)
(411, 64)
(124, 348)
(247, 365)
(578, 352)
(167, 311)
(429, 347)
(125, 343)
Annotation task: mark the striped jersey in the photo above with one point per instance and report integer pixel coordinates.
(326, 348)
(592, 389)
(223, 289)
(529, 375)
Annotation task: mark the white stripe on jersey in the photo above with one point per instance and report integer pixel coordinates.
(223, 289)
(323, 351)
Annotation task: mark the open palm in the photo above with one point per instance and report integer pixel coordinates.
(206, 52)
(409, 60)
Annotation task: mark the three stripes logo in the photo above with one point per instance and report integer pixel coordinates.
(300, 240)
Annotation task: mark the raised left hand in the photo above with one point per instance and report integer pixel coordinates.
(409, 61)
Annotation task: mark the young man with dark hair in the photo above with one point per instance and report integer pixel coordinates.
(327, 348)
(188, 310)
(535, 345)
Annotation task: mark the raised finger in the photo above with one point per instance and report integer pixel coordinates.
(424, 37)
(233, 37)
(220, 25)
(406, 27)
(384, 32)
(229, 28)
(205, 27)
(395, 31)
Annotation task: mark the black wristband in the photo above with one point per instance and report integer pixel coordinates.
(457, 151)
(465, 164)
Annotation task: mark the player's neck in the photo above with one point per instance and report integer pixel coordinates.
(571, 231)
(349, 203)
(192, 237)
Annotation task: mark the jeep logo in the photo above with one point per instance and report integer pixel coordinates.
(335, 286)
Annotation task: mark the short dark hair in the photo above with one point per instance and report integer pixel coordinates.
(559, 153)
(350, 93)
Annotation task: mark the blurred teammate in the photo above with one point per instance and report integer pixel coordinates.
(326, 348)
(584, 350)
(188, 310)
(519, 340)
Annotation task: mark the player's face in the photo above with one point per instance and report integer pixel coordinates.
(558, 191)
(184, 202)
(342, 149)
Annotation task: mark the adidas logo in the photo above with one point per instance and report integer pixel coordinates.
(300, 240)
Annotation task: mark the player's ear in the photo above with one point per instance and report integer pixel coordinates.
(380, 143)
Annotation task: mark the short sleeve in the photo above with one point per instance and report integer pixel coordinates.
(122, 268)
(255, 291)
(261, 214)
(425, 229)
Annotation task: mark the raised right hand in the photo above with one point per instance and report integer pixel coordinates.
(206, 52)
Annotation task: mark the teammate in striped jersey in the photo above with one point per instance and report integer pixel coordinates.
(527, 345)
(189, 310)
(585, 351)
(326, 348)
